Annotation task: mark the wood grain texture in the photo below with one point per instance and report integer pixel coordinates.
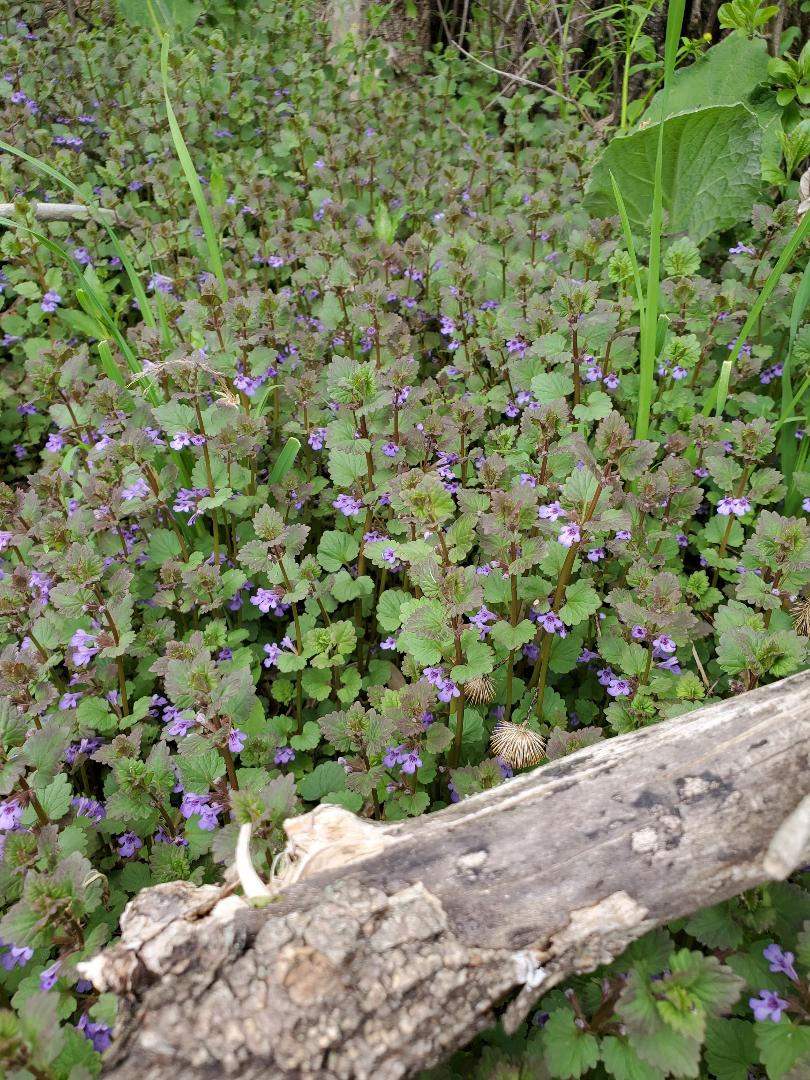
(383, 967)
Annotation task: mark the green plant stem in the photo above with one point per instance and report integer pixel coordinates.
(513, 620)
(42, 817)
(455, 756)
(209, 477)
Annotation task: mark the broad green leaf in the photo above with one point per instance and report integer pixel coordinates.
(730, 1048)
(711, 174)
(569, 1052)
(389, 605)
(729, 73)
(623, 1063)
(581, 601)
(781, 1046)
(336, 549)
(511, 637)
(551, 386)
(324, 779)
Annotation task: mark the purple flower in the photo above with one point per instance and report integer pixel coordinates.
(618, 688)
(664, 644)
(410, 762)
(551, 512)
(611, 381)
(586, 656)
(569, 535)
(806, 505)
(17, 955)
(768, 1006)
(88, 808)
(348, 506)
(623, 534)
(48, 977)
(236, 740)
(388, 643)
(730, 506)
(128, 844)
(390, 449)
(100, 1035)
(596, 554)
(139, 490)
(84, 647)
(55, 443)
(779, 960)
(742, 249)
(284, 755)
(179, 723)
(552, 623)
(85, 746)
(160, 283)
(481, 619)
(50, 301)
(638, 633)
(10, 814)
(316, 439)
(265, 600)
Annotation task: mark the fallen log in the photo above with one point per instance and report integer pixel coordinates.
(398, 941)
(44, 211)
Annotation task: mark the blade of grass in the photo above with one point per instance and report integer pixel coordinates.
(108, 363)
(631, 247)
(788, 449)
(91, 298)
(190, 172)
(285, 460)
(772, 281)
(120, 250)
(649, 326)
(722, 387)
(262, 399)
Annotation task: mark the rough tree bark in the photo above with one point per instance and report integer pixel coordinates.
(383, 966)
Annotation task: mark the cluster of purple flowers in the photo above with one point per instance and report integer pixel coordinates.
(733, 506)
(446, 688)
(348, 505)
(407, 759)
(186, 499)
(204, 806)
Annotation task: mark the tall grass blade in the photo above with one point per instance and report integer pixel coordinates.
(788, 446)
(772, 281)
(64, 181)
(190, 172)
(285, 461)
(90, 297)
(631, 247)
(108, 363)
(649, 326)
(722, 387)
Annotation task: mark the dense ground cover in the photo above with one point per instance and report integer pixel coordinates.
(339, 479)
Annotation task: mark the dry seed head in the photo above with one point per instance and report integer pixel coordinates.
(480, 691)
(517, 744)
(801, 616)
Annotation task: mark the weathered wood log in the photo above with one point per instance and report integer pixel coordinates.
(47, 211)
(383, 966)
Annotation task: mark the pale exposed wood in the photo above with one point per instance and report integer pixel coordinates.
(62, 211)
(383, 966)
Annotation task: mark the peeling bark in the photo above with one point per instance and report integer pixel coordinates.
(382, 965)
